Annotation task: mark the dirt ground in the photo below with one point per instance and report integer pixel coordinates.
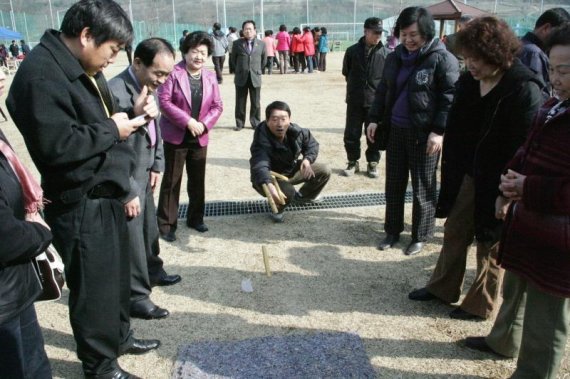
(327, 273)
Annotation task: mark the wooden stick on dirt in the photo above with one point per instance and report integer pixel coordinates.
(266, 260)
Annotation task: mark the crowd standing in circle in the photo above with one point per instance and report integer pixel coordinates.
(504, 176)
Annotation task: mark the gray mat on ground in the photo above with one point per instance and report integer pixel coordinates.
(330, 355)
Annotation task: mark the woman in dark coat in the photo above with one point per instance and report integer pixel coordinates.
(408, 115)
(24, 236)
(495, 103)
(534, 319)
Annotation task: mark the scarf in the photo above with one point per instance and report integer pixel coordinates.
(32, 191)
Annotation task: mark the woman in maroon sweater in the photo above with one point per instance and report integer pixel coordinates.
(535, 246)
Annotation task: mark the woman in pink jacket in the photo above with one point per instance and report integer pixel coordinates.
(309, 47)
(190, 103)
(283, 45)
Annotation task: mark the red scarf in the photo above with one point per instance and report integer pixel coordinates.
(33, 194)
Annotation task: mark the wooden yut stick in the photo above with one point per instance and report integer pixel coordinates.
(266, 260)
(278, 189)
(279, 176)
(269, 198)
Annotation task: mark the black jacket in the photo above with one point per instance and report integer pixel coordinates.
(430, 91)
(363, 75)
(20, 242)
(269, 154)
(58, 110)
(480, 143)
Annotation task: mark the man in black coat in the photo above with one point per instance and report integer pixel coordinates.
(362, 67)
(61, 104)
(277, 145)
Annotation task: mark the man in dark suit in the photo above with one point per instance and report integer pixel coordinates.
(153, 61)
(62, 105)
(248, 57)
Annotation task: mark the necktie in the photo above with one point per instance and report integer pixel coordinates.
(249, 46)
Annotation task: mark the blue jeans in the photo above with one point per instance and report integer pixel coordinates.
(22, 353)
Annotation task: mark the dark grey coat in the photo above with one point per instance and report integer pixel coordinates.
(247, 64)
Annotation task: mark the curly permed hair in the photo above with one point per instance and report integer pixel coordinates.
(490, 39)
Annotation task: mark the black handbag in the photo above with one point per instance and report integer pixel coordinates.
(49, 267)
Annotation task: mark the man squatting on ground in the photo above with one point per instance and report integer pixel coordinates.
(153, 61)
(362, 67)
(62, 105)
(277, 145)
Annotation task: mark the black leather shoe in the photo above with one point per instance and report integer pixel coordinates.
(421, 294)
(414, 248)
(168, 237)
(460, 314)
(389, 241)
(166, 280)
(479, 343)
(148, 311)
(139, 347)
(202, 228)
(118, 373)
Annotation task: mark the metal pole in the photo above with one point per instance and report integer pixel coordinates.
(307, 12)
(12, 17)
(131, 11)
(541, 6)
(26, 26)
(261, 15)
(173, 21)
(354, 22)
(225, 18)
(51, 14)
(2, 17)
(495, 7)
(217, 12)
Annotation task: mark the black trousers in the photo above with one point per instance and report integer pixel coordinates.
(241, 101)
(299, 60)
(144, 247)
(356, 117)
(91, 238)
(230, 63)
(175, 157)
(322, 61)
(219, 67)
(22, 353)
(405, 156)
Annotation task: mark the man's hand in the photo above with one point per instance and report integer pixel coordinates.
(125, 126)
(307, 170)
(371, 131)
(133, 207)
(154, 176)
(512, 185)
(274, 193)
(146, 105)
(501, 207)
(434, 144)
(195, 127)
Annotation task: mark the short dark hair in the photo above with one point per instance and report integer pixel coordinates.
(105, 19)
(555, 17)
(147, 49)
(296, 30)
(232, 29)
(279, 106)
(559, 36)
(323, 30)
(306, 29)
(248, 22)
(418, 15)
(282, 28)
(217, 26)
(22, 41)
(184, 32)
(465, 19)
(490, 39)
(268, 33)
(196, 39)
